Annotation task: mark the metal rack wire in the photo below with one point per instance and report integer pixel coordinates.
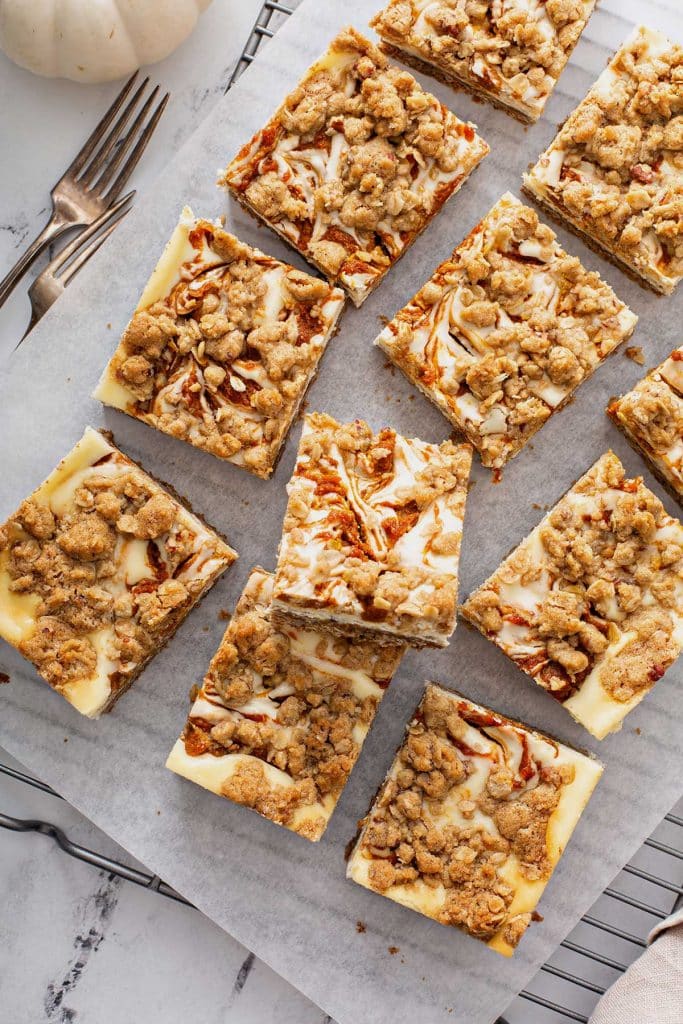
(269, 20)
(564, 989)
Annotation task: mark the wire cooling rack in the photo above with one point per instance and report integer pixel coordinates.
(266, 25)
(606, 940)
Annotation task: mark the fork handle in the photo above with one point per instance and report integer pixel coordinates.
(55, 227)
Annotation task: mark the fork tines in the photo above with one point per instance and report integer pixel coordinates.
(95, 167)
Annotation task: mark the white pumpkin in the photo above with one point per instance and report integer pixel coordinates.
(94, 40)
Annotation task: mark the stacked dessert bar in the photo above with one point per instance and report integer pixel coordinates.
(368, 563)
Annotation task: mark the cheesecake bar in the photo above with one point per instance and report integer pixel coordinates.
(505, 330)
(473, 816)
(614, 172)
(590, 605)
(651, 417)
(371, 538)
(98, 568)
(510, 52)
(354, 164)
(282, 714)
(222, 347)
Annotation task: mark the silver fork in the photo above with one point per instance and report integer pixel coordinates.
(95, 178)
(51, 282)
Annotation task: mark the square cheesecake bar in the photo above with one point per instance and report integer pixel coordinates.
(614, 172)
(511, 52)
(222, 347)
(590, 605)
(354, 164)
(98, 568)
(651, 417)
(505, 330)
(473, 816)
(371, 538)
(282, 714)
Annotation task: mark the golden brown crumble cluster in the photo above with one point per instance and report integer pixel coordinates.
(655, 413)
(71, 562)
(311, 737)
(505, 44)
(411, 835)
(613, 572)
(558, 342)
(378, 579)
(390, 128)
(193, 338)
(631, 137)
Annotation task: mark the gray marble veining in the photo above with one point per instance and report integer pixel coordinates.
(78, 946)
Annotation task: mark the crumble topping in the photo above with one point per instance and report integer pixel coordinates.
(460, 828)
(223, 356)
(615, 169)
(635, 354)
(354, 164)
(98, 568)
(505, 330)
(592, 600)
(299, 701)
(371, 536)
(511, 50)
(651, 415)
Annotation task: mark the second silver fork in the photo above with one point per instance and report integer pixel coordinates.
(51, 282)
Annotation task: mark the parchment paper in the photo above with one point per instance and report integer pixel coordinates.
(287, 899)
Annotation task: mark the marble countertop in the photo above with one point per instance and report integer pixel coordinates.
(79, 946)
